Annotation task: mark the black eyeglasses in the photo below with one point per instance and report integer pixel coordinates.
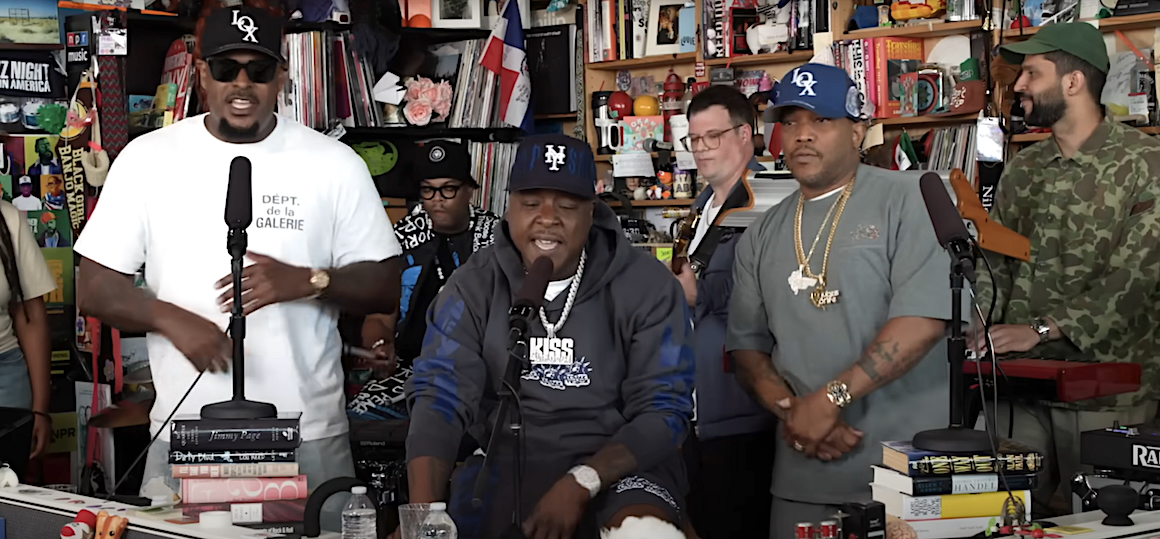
(448, 192)
(258, 71)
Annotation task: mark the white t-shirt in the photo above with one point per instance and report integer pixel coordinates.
(556, 287)
(27, 203)
(35, 278)
(707, 218)
(314, 205)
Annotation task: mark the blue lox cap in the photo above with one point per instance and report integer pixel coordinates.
(556, 162)
(825, 90)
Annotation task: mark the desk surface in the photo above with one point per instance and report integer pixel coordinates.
(63, 503)
(1147, 525)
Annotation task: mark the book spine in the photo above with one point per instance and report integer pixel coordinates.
(229, 457)
(253, 489)
(932, 486)
(193, 435)
(958, 505)
(935, 465)
(214, 471)
(265, 512)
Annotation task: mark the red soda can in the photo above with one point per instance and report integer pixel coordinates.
(828, 529)
(804, 530)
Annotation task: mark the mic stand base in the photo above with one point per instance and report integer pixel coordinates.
(953, 440)
(239, 409)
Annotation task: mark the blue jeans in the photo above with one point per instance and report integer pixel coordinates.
(15, 386)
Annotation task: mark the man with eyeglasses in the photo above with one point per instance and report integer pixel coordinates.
(438, 237)
(730, 458)
(317, 248)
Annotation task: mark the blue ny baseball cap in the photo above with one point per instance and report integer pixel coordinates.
(825, 90)
(556, 162)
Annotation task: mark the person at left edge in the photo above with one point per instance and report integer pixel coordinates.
(438, 236)
(317, 247)
(608, 396)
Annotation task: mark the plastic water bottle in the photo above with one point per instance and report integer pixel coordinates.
(438, 524)
(359, 516)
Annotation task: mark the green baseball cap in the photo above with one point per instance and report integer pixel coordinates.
(1078, 39)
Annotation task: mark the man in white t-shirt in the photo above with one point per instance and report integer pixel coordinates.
(26, 201)
(730, 458)
(318, 246)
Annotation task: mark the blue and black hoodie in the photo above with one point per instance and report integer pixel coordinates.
(630, 382)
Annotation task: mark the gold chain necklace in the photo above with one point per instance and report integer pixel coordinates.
(804, 277)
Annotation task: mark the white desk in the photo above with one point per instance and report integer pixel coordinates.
(1147, 525)
(53, 505)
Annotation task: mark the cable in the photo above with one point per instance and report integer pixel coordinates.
(987, 422)
(145, 451)
(987, 323)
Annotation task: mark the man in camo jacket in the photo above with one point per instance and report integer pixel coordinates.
(1086, 198)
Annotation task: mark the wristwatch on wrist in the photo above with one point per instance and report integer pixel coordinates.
(1040, 326)
(587, 477)
(319, 281)
(838, 393)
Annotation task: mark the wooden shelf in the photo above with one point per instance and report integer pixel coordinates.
(931, 29)
(927, 120)
(30, 46)
(1110, 24)
(1036, 137)
(648, 61)
(768, 58)
(561, 116)
(655, 203)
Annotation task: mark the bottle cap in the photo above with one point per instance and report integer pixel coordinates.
(358, 490)
(438, 506)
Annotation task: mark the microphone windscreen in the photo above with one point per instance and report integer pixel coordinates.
(239, 194)
(531, 293)
(944, 216)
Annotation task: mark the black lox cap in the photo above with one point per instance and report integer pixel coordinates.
(556, 162)
(444, 159)
(242, 28)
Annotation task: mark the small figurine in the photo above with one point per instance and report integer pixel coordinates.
(83, 526)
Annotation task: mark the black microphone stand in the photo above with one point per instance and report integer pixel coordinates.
(957, 437)
(509, 405)
(238, 407)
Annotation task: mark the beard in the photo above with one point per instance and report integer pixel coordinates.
(234, 134)
(1047, 108)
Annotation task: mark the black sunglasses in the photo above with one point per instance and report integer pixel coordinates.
(258, 71)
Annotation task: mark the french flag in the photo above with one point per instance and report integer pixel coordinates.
(504, 56)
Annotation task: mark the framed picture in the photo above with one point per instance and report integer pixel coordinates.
(456, 14)
(664, 27)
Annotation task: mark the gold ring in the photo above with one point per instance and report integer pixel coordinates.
(798, 446)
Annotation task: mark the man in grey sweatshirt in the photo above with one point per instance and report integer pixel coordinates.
(604, 417)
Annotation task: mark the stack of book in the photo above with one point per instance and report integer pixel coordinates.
(248, 467)
(943, 496)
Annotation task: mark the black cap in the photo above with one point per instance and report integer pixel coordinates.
(241, 28)
(443, 159)
(556, 162)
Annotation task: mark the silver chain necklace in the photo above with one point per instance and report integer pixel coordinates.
(553, 328)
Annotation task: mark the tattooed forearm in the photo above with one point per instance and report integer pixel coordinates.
(612, 463)
(755, 374)
(898, 347)
(427, 479)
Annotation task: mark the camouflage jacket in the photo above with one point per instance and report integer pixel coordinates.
(1095, 252)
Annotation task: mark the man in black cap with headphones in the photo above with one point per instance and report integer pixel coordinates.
(606, 394)
(438, 236)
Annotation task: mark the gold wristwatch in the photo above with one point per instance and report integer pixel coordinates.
(319, 281)
(838, 393)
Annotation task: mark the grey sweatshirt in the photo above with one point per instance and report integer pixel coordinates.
(631, 380)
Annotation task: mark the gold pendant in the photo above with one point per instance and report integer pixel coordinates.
(822, 297)
(799, 282)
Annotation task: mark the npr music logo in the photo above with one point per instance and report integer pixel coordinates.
(1146, 456)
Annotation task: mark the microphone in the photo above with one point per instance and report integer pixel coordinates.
(239, 195)
(654, 145)
(948, 226)
(531, 293)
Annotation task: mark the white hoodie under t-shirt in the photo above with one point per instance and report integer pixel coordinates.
(314, 205)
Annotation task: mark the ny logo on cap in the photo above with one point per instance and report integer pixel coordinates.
(554, 156)
(245, 23)
(805, 81)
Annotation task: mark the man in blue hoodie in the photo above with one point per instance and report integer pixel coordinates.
(602, 419)
(730, 458)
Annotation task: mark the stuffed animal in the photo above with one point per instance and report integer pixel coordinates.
(82, 527)
(110, 527)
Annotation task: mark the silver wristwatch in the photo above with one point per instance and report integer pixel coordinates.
(587, 477)
(1040, 326)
